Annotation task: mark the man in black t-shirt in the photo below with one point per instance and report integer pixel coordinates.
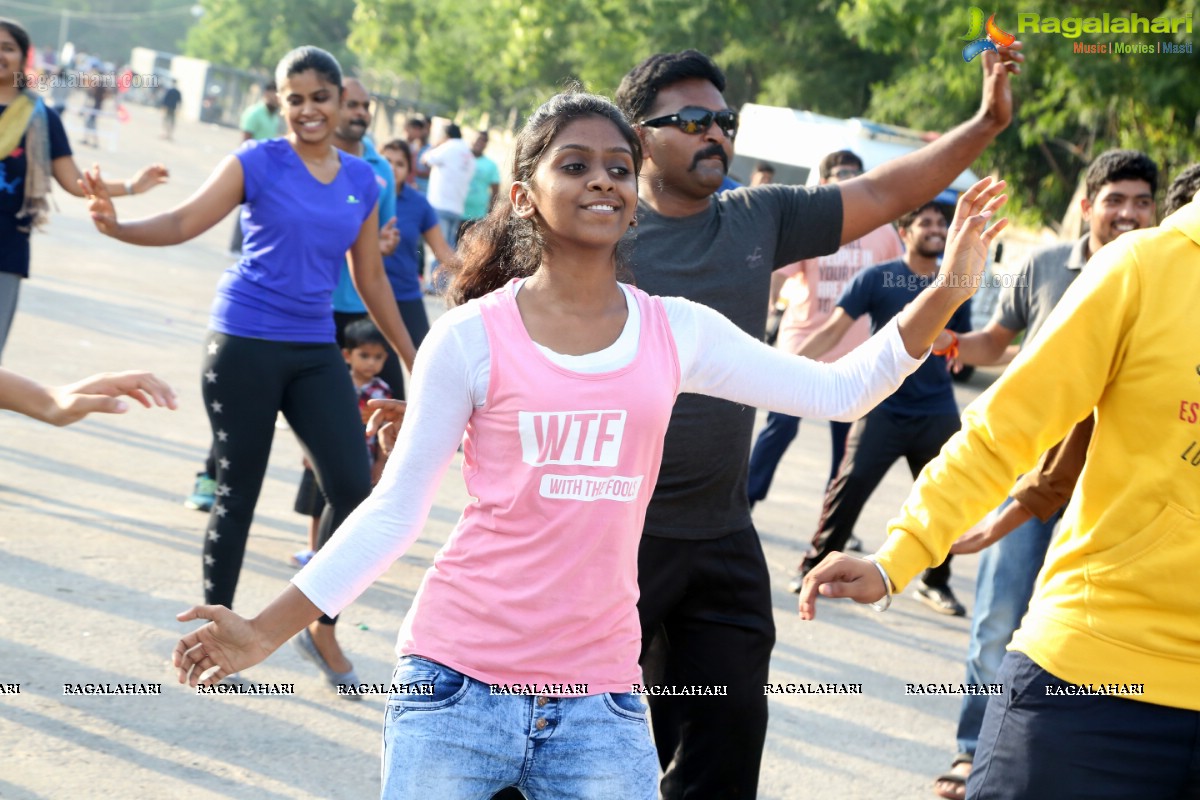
(705, 589)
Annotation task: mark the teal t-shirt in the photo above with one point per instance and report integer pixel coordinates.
(261, 123)
(479, 196)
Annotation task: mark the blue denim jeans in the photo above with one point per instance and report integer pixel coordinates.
(461, 742)
(449, 223)
(1003, 586)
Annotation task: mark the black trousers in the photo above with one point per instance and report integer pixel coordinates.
(875, 443)
(1038, 743)
(707, 621)
(245, 383)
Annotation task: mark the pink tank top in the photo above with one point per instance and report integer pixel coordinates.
(538, 582)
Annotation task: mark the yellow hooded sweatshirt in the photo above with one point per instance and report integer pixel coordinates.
(1118, 599)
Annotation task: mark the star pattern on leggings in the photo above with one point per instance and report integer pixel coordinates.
(209, 560)
(223, 463)
(220, 510)
(213, 535)
(222, 436)
(212, 348)
(208, 585)
(224, 490)
(216, 406)
(210, 376)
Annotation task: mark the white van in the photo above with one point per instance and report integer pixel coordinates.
(794, 142)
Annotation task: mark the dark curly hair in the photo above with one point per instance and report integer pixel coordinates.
(1120, 165)
(1182, 190)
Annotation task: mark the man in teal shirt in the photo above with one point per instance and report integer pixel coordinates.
(485, 183)
(263, 120)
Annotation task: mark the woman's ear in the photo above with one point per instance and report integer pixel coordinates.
(522, 200)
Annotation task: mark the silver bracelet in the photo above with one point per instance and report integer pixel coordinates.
(885, 602)
(129, 187)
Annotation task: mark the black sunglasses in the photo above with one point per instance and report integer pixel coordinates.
(697, 120)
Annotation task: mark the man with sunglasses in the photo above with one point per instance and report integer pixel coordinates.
(705, 588)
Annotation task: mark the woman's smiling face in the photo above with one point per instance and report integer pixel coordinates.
(585, 185)
(311, 106)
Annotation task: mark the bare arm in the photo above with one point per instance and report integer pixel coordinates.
(71, 403)
(985, 347)
(229, 643)
(886, 192)
(220, 194)
(826, 337)
(1004, 523)
(778, 279)
(442, 250)
(68, 176)
(371, 283)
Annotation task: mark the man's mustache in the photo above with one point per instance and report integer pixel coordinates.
(709, 152)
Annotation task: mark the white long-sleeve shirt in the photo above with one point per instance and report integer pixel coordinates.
(450, 381)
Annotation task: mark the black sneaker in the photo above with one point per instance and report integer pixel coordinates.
(940, 599)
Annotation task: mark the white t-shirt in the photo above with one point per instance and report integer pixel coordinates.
(452, 165)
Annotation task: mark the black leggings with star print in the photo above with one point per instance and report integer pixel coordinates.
(245, 382)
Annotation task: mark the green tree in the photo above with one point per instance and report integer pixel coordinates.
(255, 34)
(1070, 106)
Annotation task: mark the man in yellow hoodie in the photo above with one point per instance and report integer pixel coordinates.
(1102, 680)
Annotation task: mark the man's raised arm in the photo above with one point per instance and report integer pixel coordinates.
(891, 189)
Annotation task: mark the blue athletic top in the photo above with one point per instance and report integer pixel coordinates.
(414, 216)
(295, 233)
(881, 291)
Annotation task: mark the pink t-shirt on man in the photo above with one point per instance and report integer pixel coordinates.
(814, 286)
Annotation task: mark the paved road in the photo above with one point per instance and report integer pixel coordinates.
(97, 555)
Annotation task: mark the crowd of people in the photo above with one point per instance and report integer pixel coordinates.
(600, 368)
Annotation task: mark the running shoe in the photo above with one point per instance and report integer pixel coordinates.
(940, 599)
(204, 493)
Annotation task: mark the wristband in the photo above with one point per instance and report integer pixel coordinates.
(129, 186)
(952, 350)
(885, 602)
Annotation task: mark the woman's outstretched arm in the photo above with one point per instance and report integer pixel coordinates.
(220, 194)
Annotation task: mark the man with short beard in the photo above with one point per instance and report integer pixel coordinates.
(350, 137)
(915, 421)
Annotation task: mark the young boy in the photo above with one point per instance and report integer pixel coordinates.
(365, 354)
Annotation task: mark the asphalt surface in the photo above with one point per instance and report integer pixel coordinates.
(97, 555)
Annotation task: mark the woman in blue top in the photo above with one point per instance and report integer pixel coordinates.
(415, 220)
(33, 150)
(271, 346)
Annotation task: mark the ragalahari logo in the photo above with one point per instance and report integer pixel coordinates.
(984, 37)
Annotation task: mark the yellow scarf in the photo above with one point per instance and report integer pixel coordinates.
(26, 117)
(13, 123)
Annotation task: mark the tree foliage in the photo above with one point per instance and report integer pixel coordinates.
(254, 34)
(1070, 106)
(895, 61)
